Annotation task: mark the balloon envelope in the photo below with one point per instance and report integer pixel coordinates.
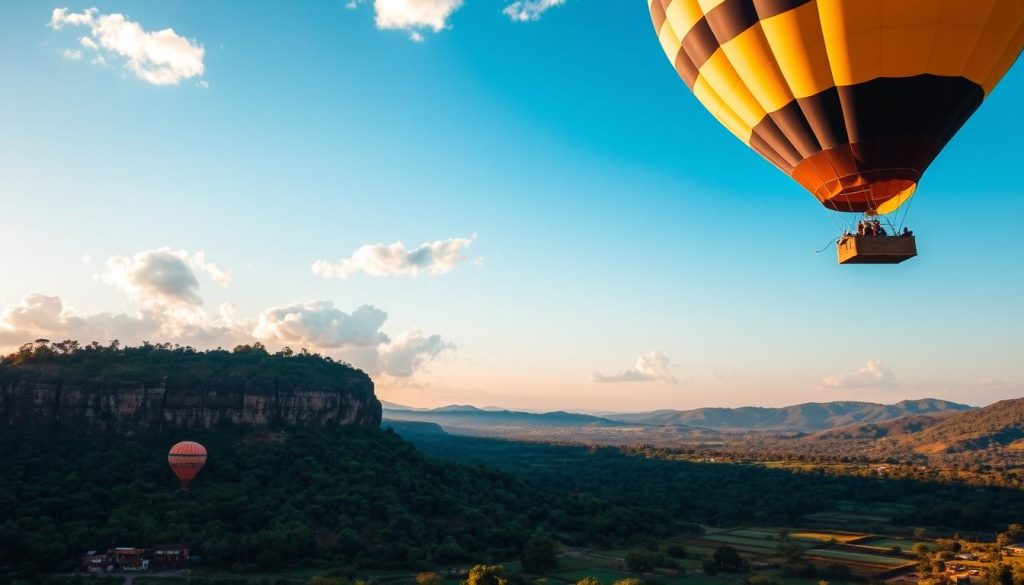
(851, 98)
(186, 459)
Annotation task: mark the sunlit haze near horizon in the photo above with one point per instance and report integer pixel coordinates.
(523, 208)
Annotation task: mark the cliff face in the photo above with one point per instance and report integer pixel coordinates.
(44, 399)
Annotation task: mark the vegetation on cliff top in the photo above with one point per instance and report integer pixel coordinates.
(153, 363)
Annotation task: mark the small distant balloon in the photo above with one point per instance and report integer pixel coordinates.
(186, 459)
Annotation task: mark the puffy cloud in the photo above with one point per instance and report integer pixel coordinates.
(357, 338)
(158, 57)
(41, 316)
(529, 10)
(320, 324)
(395, 260)
(409, 351)
(874, 375)
(163, 277)
(164, 282)
(414, 14)
(72, 54)
(649, 367)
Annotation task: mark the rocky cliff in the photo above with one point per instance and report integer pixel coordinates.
(135, 395)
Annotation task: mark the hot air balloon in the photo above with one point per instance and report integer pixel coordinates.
(186, 459)
(853, 99)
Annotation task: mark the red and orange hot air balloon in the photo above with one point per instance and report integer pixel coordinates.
(186, 459)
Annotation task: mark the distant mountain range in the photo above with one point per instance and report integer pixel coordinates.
(800, 418)
(908, 431)
(997, 425)
(808, 417)
(461, 418)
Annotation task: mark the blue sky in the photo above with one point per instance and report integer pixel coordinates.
(614, 219)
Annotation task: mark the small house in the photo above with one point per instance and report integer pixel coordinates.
(128, 558)
(96, 562)
(170, 556)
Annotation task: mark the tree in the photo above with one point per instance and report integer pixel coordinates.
(837, 571)
(629, 581)
(728, 560)
(539, 555)
(428, 578)
(676, 551)
(1001, 575)
(640, 561)
(486, 575)
(709, 567)
(1014, 534)
(588, 581)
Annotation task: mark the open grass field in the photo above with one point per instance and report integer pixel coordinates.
(753, 545)
(745, 550)
(777, 575)
(874, 508)
(619, 553)
(698, 548)
(818, 536)
(576, 563)
(887, 543)
(601, 574)
(858, 558)
(730, 538)
(692, 579)
(759, 534)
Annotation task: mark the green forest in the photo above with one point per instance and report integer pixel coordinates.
(364, 498)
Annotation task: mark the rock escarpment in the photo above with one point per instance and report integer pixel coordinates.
(136, 395)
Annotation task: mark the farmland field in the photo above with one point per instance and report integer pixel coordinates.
(754, 533)
(741, 541)
(693, 579)
(823, 536)
(693, 546)
(903, 543)
(859, 558)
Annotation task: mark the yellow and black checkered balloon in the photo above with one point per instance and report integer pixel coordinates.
(852, 98)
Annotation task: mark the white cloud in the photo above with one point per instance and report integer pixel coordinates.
(320, 324)
(874, 375)
(395, 260)
(649, 367)
(356, 337)
(158, 57)
(163, 277)
(529, 10)
(41, 316)
(317, 325)
(414, 14)
(409, 351)
(72, 54)
(166, 285)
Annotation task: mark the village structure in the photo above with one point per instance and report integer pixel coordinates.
(126, 558)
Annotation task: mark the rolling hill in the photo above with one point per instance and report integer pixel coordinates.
(997, 427)
(808, 417)
(468, 418)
